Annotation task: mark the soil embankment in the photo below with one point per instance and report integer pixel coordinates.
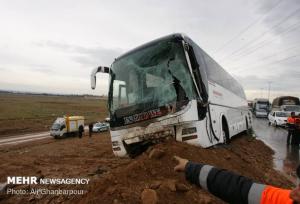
(119, 180)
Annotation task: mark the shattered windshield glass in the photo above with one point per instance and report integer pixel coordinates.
(149, 78)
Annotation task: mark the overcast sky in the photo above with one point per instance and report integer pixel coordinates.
(52, 46)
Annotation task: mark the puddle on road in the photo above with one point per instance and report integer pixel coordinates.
(286, 157)
(288, 163)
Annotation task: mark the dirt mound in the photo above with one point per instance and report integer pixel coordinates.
(150, 177)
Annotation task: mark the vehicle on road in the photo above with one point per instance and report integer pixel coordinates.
(67, 125)
(291, 108)
(261, 107)
(171, 88)
(250, 104)
(100, 127)
(279, 102)
(278, 118)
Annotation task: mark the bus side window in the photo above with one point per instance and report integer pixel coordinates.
(123, 98)
(274, 114)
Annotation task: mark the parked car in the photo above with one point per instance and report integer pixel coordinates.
(278, 118)
(100, 127)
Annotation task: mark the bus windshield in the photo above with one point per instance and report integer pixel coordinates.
(149, 78)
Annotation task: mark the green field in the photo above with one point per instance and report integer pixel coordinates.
(23, 113)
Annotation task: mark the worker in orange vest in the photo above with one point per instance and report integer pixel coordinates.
(291, 128)
(233, 188)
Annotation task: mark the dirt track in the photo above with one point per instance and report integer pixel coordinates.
(23, 138)
(116, 180)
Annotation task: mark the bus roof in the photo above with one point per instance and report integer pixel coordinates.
(179, 36)
(279, 100)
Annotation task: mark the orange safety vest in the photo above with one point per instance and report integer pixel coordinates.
(291, 120)
(273, 195)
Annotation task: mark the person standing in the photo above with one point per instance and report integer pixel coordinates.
(91, 129)
(80, 130)
(291, 127)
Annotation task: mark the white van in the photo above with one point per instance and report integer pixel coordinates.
(67, 125)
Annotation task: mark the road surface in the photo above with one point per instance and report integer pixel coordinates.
(12, 140)
(286, 157)
(23, 138)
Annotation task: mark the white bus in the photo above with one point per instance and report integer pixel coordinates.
(171, 87)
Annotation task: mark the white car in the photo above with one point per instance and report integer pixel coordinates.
(278, 118)
(100, 127)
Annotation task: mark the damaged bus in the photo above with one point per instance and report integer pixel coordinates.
(170, 87)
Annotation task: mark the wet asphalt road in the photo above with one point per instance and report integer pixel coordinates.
(24, 138)
(286, 157)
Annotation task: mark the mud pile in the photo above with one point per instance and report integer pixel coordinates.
(150, 178)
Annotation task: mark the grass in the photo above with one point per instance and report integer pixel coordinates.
(20, 113)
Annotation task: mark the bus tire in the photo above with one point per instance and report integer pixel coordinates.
(225, 131)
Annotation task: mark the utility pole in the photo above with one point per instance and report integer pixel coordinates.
(269, 87)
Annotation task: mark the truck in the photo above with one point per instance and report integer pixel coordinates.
(261, 107)
(67, 125)
(287, 104)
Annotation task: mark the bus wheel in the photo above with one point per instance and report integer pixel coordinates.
(225, 131)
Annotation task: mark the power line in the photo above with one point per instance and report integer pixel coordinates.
(264, 43)
(264, 33)
(267, 41)
(277, 61)
(282, 51)
(247, 28)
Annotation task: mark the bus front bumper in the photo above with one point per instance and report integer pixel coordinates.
(131, 139)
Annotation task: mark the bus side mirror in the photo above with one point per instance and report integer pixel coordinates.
(94, 72)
